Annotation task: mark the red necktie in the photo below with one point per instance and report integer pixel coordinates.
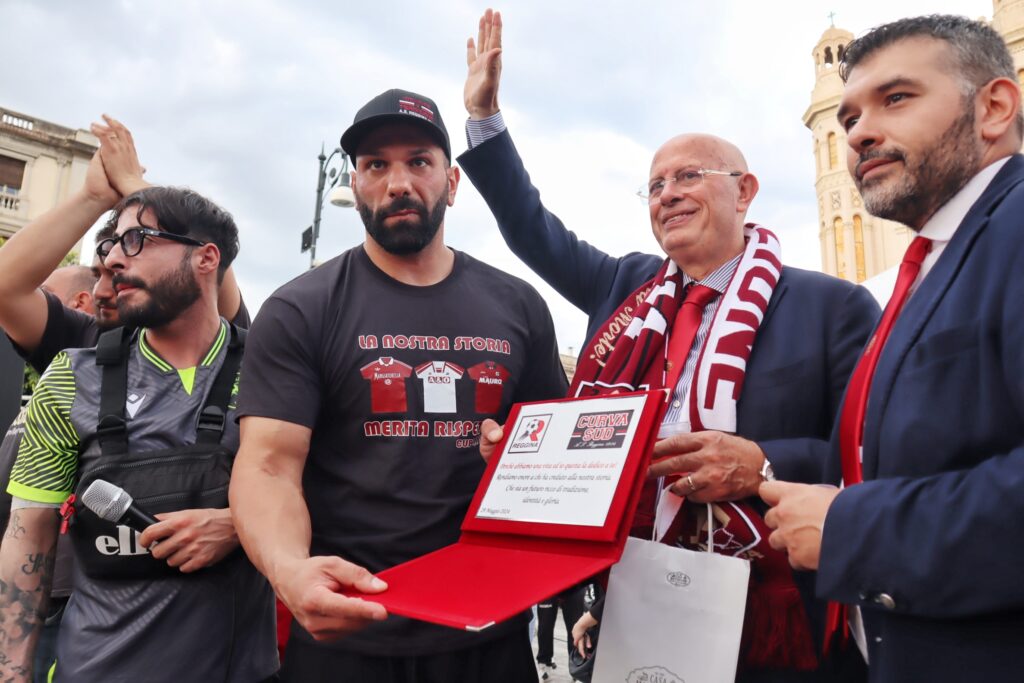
(684, 331)
(851, 422)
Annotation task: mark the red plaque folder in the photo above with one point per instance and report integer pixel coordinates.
(554, 507)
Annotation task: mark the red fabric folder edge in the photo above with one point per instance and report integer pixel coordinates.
(499, 568)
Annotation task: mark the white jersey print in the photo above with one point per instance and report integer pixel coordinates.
(439, 378)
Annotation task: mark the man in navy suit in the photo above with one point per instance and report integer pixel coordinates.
(805, 348)
(928, 549)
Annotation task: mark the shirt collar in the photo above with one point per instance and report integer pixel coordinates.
(150, 354)
(941, 226)
(719, 278)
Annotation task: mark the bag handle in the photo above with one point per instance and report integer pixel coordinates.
(213, 417)
(112, 357)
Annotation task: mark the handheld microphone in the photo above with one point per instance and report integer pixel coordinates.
(112, 503)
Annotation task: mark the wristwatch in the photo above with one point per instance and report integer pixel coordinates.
(767, 473)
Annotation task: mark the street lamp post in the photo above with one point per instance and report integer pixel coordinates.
(341, 195)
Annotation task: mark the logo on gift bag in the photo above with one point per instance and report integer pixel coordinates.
(653, 674)
(678, 579)
(601, 430)
(529, 433)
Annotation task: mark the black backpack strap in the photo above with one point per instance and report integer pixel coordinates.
(212, 419)
(112, 358)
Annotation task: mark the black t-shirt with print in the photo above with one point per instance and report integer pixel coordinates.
(386, 375)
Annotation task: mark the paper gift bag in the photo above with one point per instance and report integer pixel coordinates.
(672, 615)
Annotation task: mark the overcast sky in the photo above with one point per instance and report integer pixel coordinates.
(235, 98)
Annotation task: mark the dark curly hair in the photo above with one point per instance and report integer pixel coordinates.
(183, 212)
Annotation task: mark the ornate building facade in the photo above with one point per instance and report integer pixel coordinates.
(855, 245)
(41, 163)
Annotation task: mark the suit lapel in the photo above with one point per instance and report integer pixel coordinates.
(919, 308)
(778, 292)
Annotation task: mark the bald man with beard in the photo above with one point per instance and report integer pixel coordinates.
(765, 413)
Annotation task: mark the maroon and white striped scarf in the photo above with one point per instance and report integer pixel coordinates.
(629, 353)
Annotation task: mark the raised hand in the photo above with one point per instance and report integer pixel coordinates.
(97, 186)
(484, 61)
(120, 160)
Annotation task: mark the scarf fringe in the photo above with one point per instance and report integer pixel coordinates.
(776, 631)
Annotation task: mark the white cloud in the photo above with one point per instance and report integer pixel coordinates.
(235, 99)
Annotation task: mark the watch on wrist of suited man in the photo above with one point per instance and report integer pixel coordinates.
(767, 473)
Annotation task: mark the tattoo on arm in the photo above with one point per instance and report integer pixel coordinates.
(25, 582)
(14, 528)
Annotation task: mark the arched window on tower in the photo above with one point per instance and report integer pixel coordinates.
(839, 53)
(828, 56)
(858, 248)
(837, 226)
(833, 152)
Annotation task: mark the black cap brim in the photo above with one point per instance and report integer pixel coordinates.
(357, 132)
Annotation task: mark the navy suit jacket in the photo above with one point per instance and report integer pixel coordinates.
(803, 354)
(931, 545)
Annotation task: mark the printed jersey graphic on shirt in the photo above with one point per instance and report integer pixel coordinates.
(490, 383)
(387, 384)
(439, 378)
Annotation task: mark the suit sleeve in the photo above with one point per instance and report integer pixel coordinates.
(578, 271)
(803, 460)
(943, 546)
(946, 545)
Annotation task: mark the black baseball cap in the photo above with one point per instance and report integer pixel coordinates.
(396, 106)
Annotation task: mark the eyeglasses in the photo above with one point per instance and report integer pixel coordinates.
(132, 240)
(688, 178)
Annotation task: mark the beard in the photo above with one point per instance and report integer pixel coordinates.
(928, 181)
(168, 297)
(106, 315)
(409, 235)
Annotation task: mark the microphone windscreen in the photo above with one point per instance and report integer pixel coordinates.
(108, 501)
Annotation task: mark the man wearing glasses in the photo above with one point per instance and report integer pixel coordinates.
(36, 321)
(756, 383)
(40, 323)
(212, 617)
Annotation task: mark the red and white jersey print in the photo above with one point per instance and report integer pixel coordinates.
(439, 378)
(387, 384)
(490, 383)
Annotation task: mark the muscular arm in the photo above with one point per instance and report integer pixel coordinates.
(266, 499)
(26, 574)
(273, 524)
